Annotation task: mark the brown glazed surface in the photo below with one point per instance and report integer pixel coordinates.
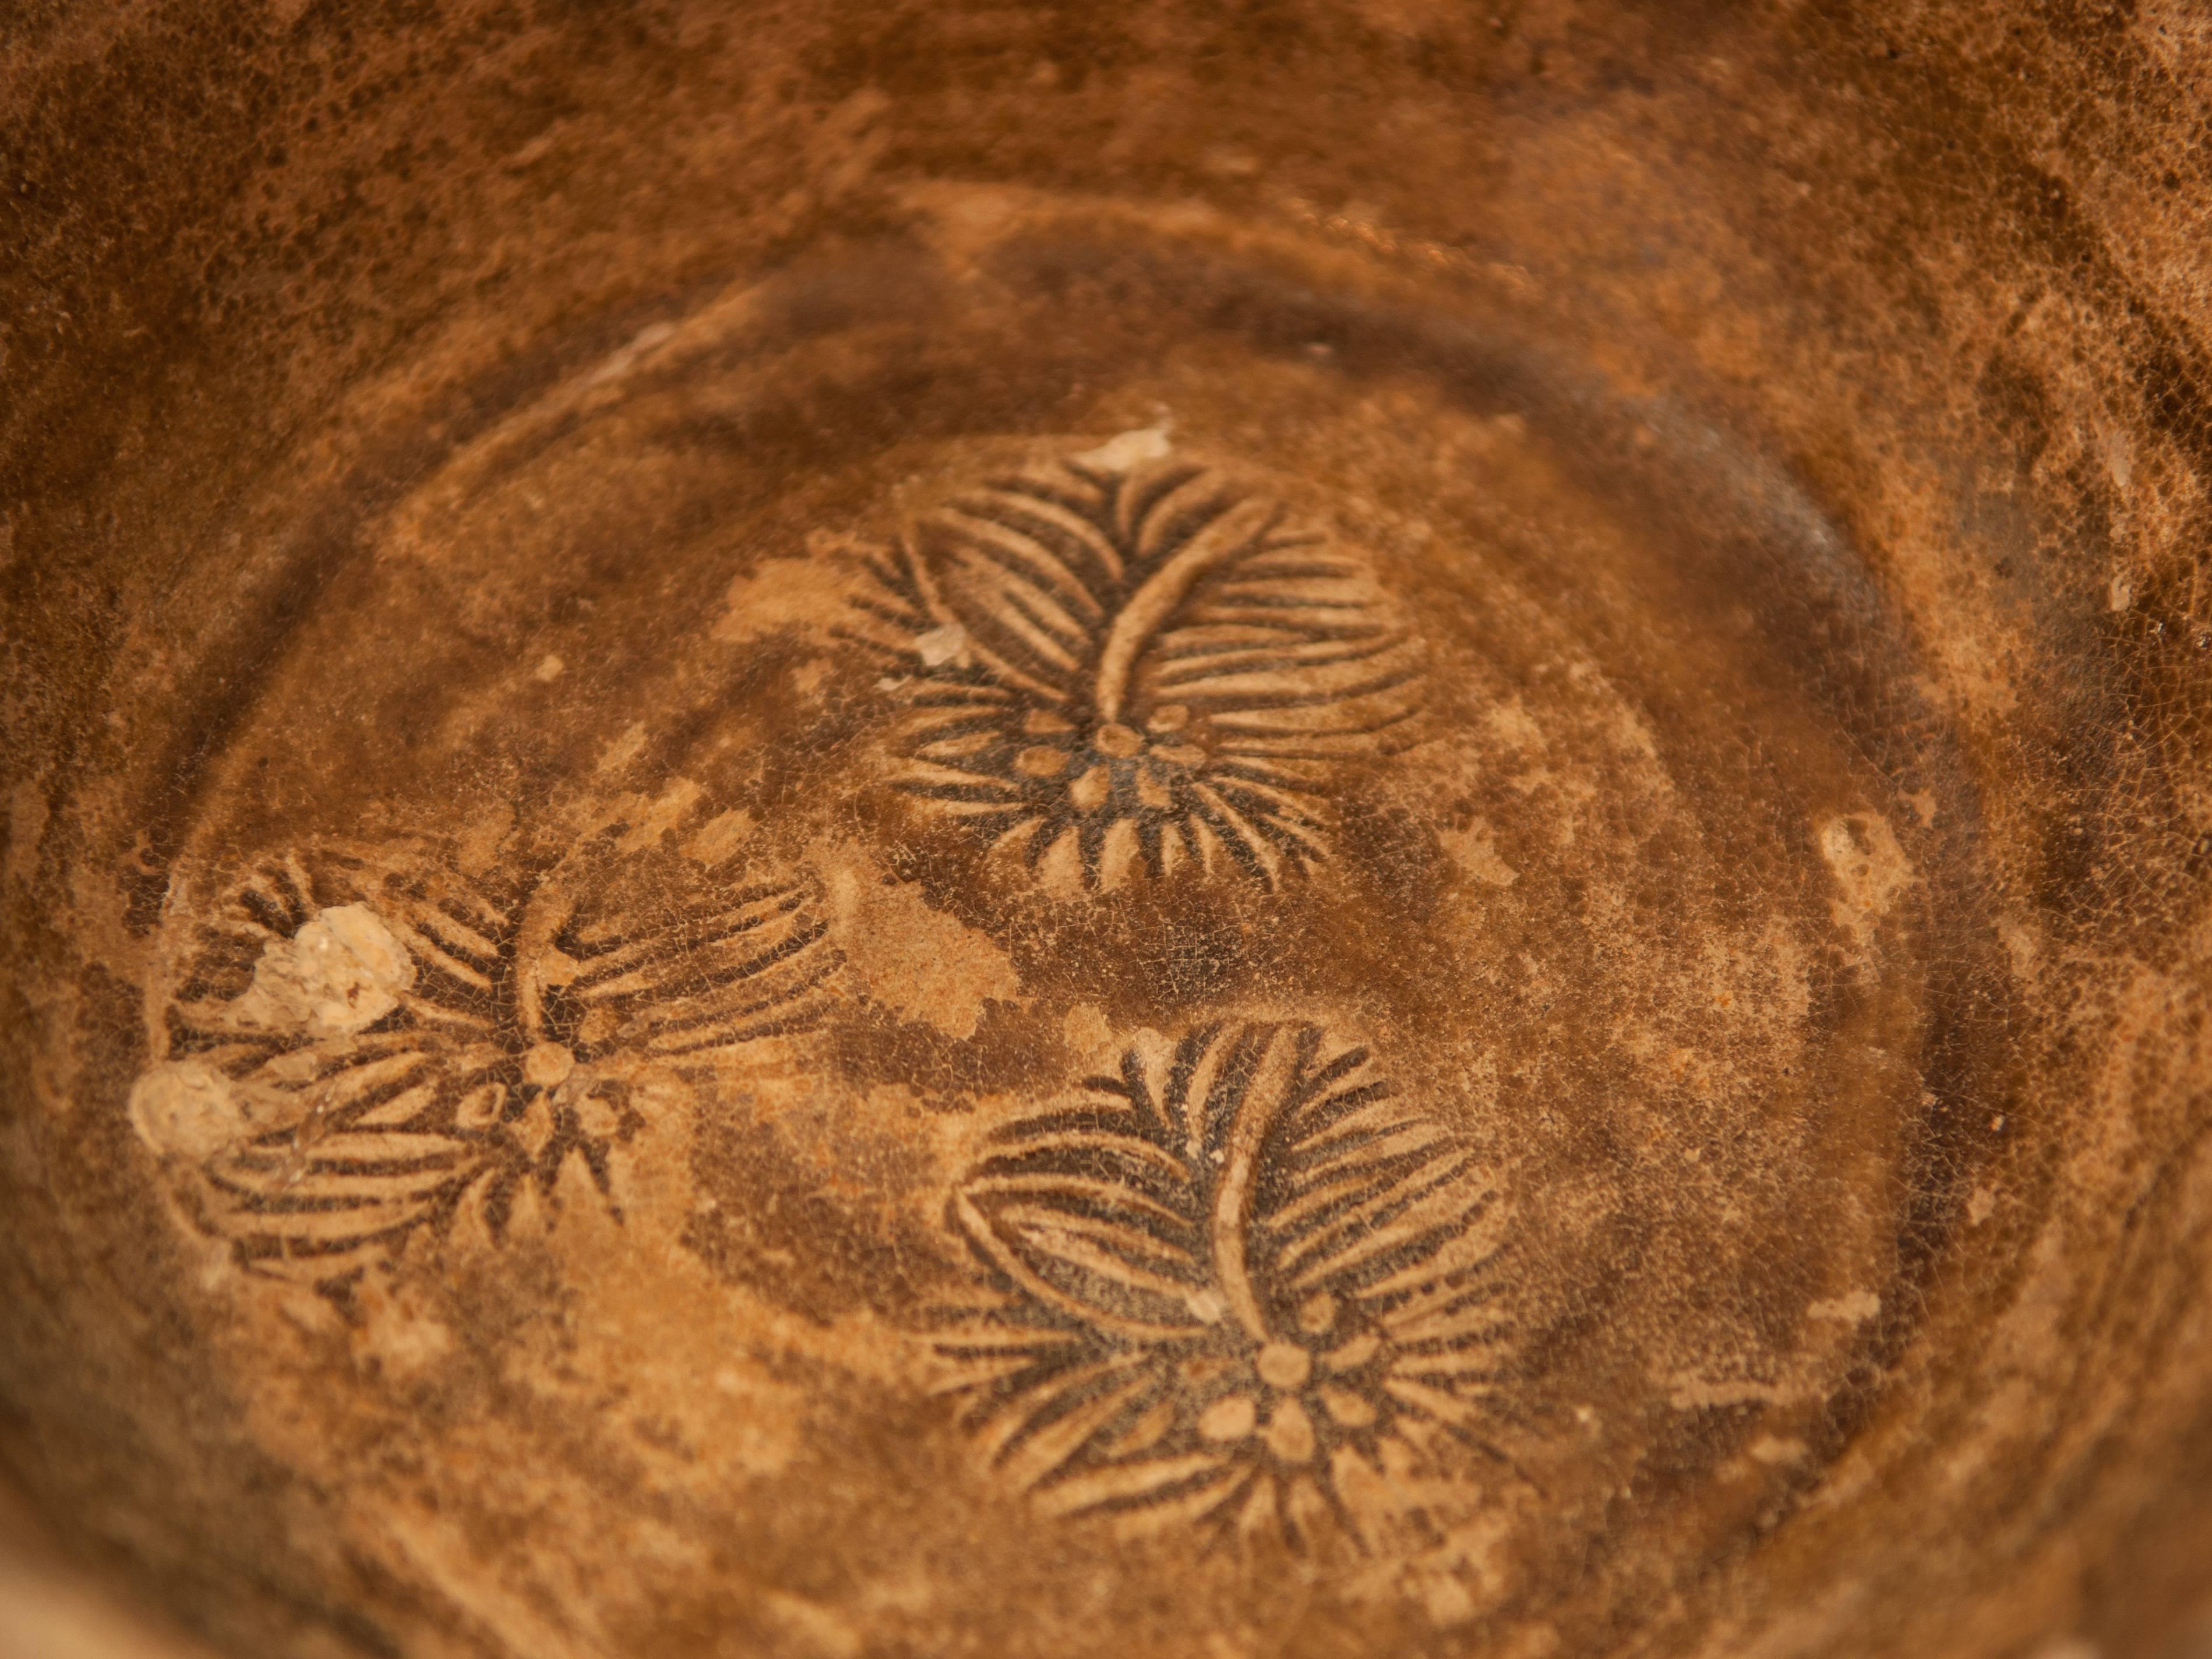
(1190, 830)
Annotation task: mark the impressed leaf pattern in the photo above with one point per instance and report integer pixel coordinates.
(1231, 1282)
(1129, 671)
(379, 1041)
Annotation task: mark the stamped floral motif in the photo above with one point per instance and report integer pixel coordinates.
(363, 1041)
(1130, 670)
(1241, 1284)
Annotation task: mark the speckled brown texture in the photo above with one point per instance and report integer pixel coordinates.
(1194, 830)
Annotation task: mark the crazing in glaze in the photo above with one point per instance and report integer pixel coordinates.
(1136, 670)
(1239, 1284)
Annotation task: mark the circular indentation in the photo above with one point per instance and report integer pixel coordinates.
(1283, 1364)
(1232, 1417)
(548, 1065)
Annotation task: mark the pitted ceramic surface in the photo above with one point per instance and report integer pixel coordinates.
(1234, 974)
(1307, 831)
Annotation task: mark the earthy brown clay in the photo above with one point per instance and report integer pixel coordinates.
(918, 831)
